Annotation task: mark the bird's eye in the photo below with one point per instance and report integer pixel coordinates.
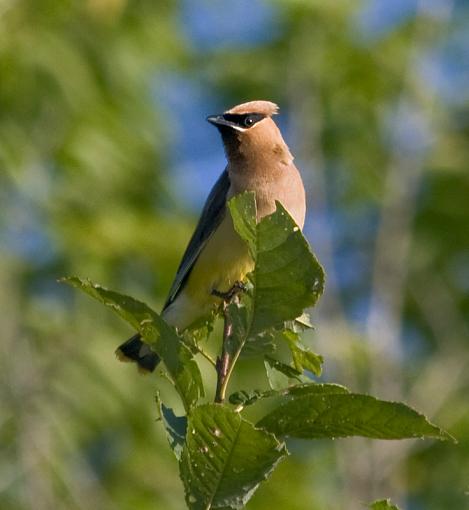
(249, 121)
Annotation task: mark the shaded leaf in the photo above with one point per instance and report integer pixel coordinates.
(260, 345)
(175, 426)
(279, 374)
(339, 415)
(238, 315)
(245, 398)
(277, 379)
(162, 337)
(225, 458)
(287, 370)
(199, 331)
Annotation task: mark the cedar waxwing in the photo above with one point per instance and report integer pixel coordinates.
(216, 257)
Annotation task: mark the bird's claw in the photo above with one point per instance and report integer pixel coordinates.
(230, 294)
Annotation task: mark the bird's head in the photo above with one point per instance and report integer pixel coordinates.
(249, 133)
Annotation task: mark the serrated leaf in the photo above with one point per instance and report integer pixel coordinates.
(175, 427)
(287, 277)
(162, 337)
(247, 398)
(313, 389)
(225, 458)
(383, 504)
(339, 415)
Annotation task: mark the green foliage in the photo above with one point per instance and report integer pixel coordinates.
(175, 426)
(90, 121)
(222, 456)
(383, 504)
(303, 358)
(287, 277)
(161, 337)
(246, 398)
(311, 416)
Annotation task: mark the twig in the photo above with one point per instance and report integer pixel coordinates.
(223, 361)
(226, 362)
(207, 356)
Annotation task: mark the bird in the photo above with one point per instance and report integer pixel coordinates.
(216, 258)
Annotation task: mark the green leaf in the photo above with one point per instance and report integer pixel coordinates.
(287, 277)
(383, 504)
(303, 358)
(339, 415)
(277, 379)
(247, 398)
(286, 370)
(175, 427)
(243, 211)
(313, 389)
(161, 337)
(260, 345)
(225, 458)
(279, 374)
(199, 331)
(238, 315)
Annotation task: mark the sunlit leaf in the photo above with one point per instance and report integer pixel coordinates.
(339, 415)
(247, 398)
(287, 277)
(383, 504)
(303, 358)
(162, 338)
(225, 458)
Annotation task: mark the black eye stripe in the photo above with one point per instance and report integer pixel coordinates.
(245, 119)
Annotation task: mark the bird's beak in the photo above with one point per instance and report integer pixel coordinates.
(219, 120)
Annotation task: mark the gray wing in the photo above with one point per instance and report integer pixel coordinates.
(212, 214)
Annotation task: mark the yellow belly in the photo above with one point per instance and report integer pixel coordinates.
(224, 261)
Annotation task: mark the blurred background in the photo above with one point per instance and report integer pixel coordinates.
(105, 161)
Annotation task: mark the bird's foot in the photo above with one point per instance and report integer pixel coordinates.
(230, 294)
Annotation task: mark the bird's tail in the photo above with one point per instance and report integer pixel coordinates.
(134, 349)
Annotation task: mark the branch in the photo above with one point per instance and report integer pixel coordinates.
(226, 361)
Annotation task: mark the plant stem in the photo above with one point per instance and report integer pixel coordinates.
(207, 357)
(228, 358)
(223, 362)
(229, 371)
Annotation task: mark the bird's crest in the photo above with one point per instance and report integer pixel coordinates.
(264, 107)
